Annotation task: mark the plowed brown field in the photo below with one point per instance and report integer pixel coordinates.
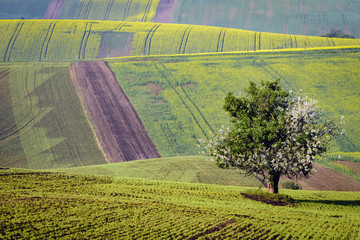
(328, 180)
(54, 9)
(116, 123)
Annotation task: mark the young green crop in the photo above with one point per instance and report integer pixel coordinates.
(59, 205)
(44, 122)
(180, 99)
(111, 10)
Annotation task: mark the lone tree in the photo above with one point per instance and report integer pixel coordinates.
(273, 133)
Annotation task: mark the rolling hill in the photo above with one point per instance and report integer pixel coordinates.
(304, 17)
(71, 40)
(59, 205)
(90, 87)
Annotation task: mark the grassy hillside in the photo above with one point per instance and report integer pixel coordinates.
(184, 169)
(180, 98)
(54, 40)
(54, 205)
(42, 122)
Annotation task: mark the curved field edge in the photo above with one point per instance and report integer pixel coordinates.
(43, 124)
(198, 169)
(180, 98)
(54, 40)
(119, 130)
(54, 205)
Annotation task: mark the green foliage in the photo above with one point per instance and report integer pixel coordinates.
(291, 185)
(175, 115)
(43, 123)
(336, 33)
(59, 205)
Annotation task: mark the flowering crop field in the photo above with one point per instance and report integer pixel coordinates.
(180, 98)
(42, 121)
(42, 205)
(54, 40)
(113, 10)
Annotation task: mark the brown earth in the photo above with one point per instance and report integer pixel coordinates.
(119, 130)
(354, 166)
(54, 9)
(328, 179)
(165, 11)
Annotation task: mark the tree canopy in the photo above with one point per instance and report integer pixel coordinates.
(273, 133)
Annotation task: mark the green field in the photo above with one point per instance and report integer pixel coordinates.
(180, 98)
(59, 40)
(179, 169)
(305, 17)
(59, 205)
(42, 121)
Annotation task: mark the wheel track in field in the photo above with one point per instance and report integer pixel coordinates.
(166, 72)
(108, 9)
(221, 40)
(186, 33)
(190, 99)
(47, 39)
(13, 40)
(147, 9)
(127, 9)
(78, 10)
(88, 8)
(148, 39)
(84, 40)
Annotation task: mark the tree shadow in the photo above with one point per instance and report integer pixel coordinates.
(333, 202)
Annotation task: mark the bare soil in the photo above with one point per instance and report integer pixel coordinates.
(355, 166)
(120, 131)
(54, 9)
(165, 11)
(328, 179)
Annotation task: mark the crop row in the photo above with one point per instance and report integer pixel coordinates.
(52, 40)
(53, 205)
(46, 118)
(113, 10)
(179, 99)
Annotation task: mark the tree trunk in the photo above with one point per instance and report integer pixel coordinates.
(273, 186)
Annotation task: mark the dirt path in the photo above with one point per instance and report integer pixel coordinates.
(117, 125)
(330, 180)
(54, 9)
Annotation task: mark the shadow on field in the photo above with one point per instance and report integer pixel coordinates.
(333, 202)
